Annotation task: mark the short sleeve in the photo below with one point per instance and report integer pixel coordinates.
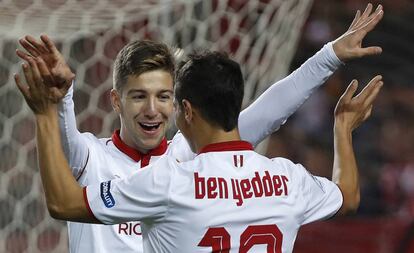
(322, 197)
(141, 196)
(317, 197)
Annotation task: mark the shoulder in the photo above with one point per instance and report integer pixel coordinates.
(294, 169)
(284, 162)
(90, 138)
(164, 165)
(179, 149)
(94, 142)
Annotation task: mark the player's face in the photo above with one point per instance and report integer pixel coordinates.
(146, 104)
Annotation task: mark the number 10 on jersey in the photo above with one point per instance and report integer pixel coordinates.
(220, 240)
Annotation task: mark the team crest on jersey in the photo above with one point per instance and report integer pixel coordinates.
(106, 195)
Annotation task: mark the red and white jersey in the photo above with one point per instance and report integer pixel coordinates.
(228, 199)
(94, 160)
(110, 158)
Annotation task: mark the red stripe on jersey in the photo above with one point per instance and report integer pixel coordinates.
(135, 154)
(227, 146)
(238, 160)
(85, 198)
(83, 169)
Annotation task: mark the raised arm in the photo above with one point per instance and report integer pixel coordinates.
(350, 112)
(64, 196)
(282, 99)
(55, 72)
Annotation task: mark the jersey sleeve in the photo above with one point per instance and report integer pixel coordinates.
(74, 143)
(271, 110)
(141, 196)
(322, 198)
(317, 197)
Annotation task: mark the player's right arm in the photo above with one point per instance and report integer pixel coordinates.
(55, 72)
(144, 195)
(64, 196)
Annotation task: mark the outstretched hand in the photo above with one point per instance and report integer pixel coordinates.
(53, 68)
(349, 45)
(39, 96)
(351, 111)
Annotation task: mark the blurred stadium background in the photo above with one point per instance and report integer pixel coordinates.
(270, 38)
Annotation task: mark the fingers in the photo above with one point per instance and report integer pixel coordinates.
(350, 91)
(356, 18)
(23, 55)
(368, 51)
(364, 15)
(366, 19)
(370, 25)
(29, 47)
(369, 93)
(24, 89)
(35, 73)
(374, 93)
(362, 31)
(28, 76)
(36, 44)
(45, 74)
(49, 44)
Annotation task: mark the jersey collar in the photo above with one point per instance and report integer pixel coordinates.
(135, 154)
(227, 146)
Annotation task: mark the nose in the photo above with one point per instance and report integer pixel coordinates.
(151, 108)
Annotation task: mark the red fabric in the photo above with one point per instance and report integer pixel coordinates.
(227, 146)
(135, 154)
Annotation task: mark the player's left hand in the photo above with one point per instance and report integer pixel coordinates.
(40, 97)
(349, 45)
(351, 111)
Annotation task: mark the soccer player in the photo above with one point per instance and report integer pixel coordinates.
(228, 197)
(138, 143)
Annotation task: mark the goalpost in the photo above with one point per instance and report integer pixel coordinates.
(261, 35)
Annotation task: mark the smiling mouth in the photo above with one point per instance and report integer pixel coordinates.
(150, 127)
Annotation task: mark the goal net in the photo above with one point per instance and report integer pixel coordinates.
(260, 34)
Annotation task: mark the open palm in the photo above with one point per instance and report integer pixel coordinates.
(53, 68)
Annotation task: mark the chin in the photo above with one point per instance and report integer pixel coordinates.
(152, 143)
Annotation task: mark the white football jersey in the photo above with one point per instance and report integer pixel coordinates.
(110, 158)
(94, 160)
(228, 199)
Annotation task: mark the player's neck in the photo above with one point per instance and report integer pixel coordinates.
(125, 138)
(209, 135)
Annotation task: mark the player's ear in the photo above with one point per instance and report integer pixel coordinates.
(116, 101)
(187, 110)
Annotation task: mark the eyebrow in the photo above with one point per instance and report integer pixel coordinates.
(144, 91)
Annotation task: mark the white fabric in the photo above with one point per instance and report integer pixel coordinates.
(87, 154)
(163, 197)
(271, 109)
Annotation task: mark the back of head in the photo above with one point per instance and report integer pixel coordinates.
(213, 84)
(141, 56)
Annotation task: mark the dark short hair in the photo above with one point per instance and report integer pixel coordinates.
(214, 84)
(141, 56)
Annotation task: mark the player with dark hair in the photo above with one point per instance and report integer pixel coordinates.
(228, 197)
(142, 96)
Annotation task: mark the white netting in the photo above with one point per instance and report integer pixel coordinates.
(260, 34)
